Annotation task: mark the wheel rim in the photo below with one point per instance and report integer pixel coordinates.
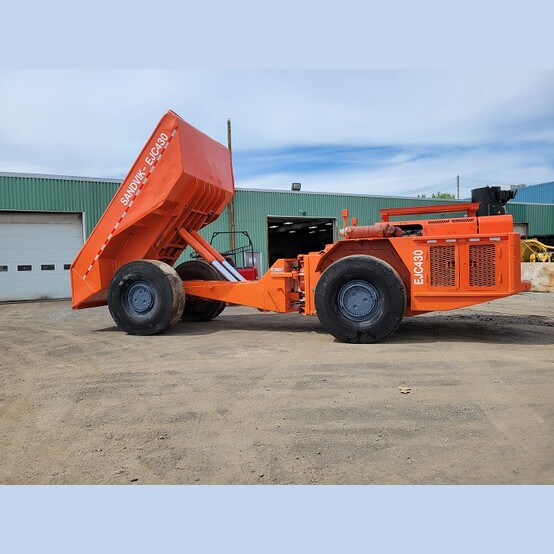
(140, 297)
(357, 300)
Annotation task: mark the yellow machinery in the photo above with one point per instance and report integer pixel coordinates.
(533, 250)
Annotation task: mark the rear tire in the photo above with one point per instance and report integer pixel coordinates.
(199, 309)
(145, 297)
(360, 299)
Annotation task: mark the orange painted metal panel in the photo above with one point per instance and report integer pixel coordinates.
(181, 179)
(448, 273)
(275, 291)
(452, 263)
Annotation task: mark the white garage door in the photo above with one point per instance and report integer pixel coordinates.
(36, 250)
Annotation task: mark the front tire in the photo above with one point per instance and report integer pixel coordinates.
(360, 299)
(145, 297)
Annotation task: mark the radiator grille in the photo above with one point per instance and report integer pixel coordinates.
(443, 266)
(482, 265)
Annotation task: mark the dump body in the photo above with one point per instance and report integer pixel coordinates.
(181, 179)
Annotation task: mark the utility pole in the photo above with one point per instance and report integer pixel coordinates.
(457, 187)
(232, 203)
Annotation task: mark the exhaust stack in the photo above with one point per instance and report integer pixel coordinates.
(493, 200)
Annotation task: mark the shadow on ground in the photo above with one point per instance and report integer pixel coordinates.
(482, 328)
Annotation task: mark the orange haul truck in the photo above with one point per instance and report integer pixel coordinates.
(360, 287)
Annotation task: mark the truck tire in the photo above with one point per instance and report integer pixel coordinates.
(145, 297)
(198, 309)
(360, 299)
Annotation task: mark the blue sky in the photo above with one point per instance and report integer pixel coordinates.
(366, 131)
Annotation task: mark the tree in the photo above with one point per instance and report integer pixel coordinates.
(443, 195)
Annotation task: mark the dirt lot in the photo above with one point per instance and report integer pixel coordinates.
(268, 398)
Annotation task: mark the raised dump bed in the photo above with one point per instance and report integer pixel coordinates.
(181, 179)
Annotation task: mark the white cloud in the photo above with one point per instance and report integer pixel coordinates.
(95, 122)
(402, 177)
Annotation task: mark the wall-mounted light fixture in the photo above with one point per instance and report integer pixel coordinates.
(296, 187)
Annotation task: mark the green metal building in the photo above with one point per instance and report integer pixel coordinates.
(280, 223)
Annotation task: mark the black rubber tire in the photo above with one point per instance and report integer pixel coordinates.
(146, 297)
(199, 309)
(378, 286)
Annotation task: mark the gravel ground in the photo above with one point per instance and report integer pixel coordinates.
(267, 398)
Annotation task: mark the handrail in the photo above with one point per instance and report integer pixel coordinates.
(471, 209)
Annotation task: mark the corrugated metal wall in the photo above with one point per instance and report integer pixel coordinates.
(540, 217)
(62, 194)
(252, 208)
(537, 194)
(57, 194)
